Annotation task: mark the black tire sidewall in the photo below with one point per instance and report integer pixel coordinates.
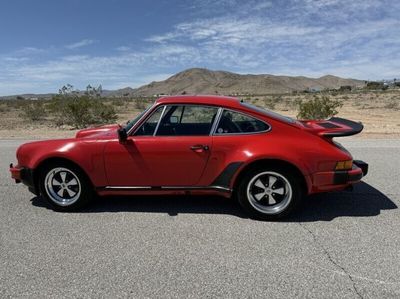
(86, 190)
(243, 200)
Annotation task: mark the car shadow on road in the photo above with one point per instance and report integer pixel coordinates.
(363, 201)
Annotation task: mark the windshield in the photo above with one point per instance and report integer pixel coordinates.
(270, 113)
(132, 122)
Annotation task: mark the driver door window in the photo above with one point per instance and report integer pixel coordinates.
(187, 120)
(149, 127)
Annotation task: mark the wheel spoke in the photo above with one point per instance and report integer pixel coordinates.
(279, 191)
(61, 192)
(271, 200)
(271, 181)
(70, 192)
(259, 184)
(56, 183)
(258, 196)
(72, 182)
(63, 175)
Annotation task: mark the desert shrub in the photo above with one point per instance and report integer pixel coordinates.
(270, 103)
(318, 108)
(120, 104)
(81, 111)
(103, 113)
(345, 88)
(373, 85)
(33, 111)
(140, 103)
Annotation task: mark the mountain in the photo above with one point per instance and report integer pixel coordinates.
(204, 81)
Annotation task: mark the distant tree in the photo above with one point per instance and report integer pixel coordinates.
(67, 90)
(93, 92)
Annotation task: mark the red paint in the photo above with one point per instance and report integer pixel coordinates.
(169, 161)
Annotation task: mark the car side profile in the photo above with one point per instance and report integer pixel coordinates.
(195, 145)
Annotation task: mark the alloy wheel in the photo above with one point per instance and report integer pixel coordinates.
(62, 186)
(269, 192)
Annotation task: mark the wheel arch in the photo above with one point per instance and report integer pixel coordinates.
(40, 166)
(272, 162)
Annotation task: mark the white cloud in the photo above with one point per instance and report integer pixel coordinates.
(80, 44)
(313, 38)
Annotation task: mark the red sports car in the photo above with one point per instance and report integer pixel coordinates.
(195, 145)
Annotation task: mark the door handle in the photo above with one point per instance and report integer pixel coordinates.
(199, 147)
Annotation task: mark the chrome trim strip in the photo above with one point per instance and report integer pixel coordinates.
(159, 120)
(216, 121)
(165, 188)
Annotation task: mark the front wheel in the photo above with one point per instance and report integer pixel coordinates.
(270, 193)
(65, 187)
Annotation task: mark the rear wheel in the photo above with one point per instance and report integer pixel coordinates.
(269, 193)
(65, 187)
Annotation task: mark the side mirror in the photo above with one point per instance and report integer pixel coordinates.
(122, 135)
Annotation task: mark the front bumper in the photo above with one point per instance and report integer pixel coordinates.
(340, 179)
(24, 175)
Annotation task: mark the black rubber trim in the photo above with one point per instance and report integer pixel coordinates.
(328, 125)
(355, 177)
(27, 178)
(355, 127)
(225, 177)
(342, 177)
(164, 188)
(362, 165)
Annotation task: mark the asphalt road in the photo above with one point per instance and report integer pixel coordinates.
(340, 245)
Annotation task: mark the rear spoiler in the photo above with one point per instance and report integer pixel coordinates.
(334, 127)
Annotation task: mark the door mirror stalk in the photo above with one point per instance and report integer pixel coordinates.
(122, 135)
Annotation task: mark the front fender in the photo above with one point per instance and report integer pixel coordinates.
(87, 154)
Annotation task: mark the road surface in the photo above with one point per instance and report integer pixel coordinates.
(340, 245)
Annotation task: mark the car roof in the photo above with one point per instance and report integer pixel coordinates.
(201, 99)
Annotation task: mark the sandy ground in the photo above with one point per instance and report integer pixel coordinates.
(378, 111)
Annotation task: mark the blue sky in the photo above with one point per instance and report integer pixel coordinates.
(117, 43)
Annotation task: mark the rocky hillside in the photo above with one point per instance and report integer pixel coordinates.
(204, 81)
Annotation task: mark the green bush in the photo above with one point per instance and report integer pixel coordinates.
(81, 111)
(318, 108)
(34, 111)
(140, 103)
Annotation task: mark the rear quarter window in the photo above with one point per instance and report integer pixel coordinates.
(233, 122)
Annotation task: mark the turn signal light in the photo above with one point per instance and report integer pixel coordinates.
(344, 165)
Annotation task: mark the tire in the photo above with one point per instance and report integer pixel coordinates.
(269, 193)
(65, 187)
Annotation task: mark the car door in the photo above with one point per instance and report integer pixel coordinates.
(171, 148)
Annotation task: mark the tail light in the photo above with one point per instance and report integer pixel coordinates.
(344, 165)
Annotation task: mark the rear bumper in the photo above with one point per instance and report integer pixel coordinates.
(337, 180)
(24, 175)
